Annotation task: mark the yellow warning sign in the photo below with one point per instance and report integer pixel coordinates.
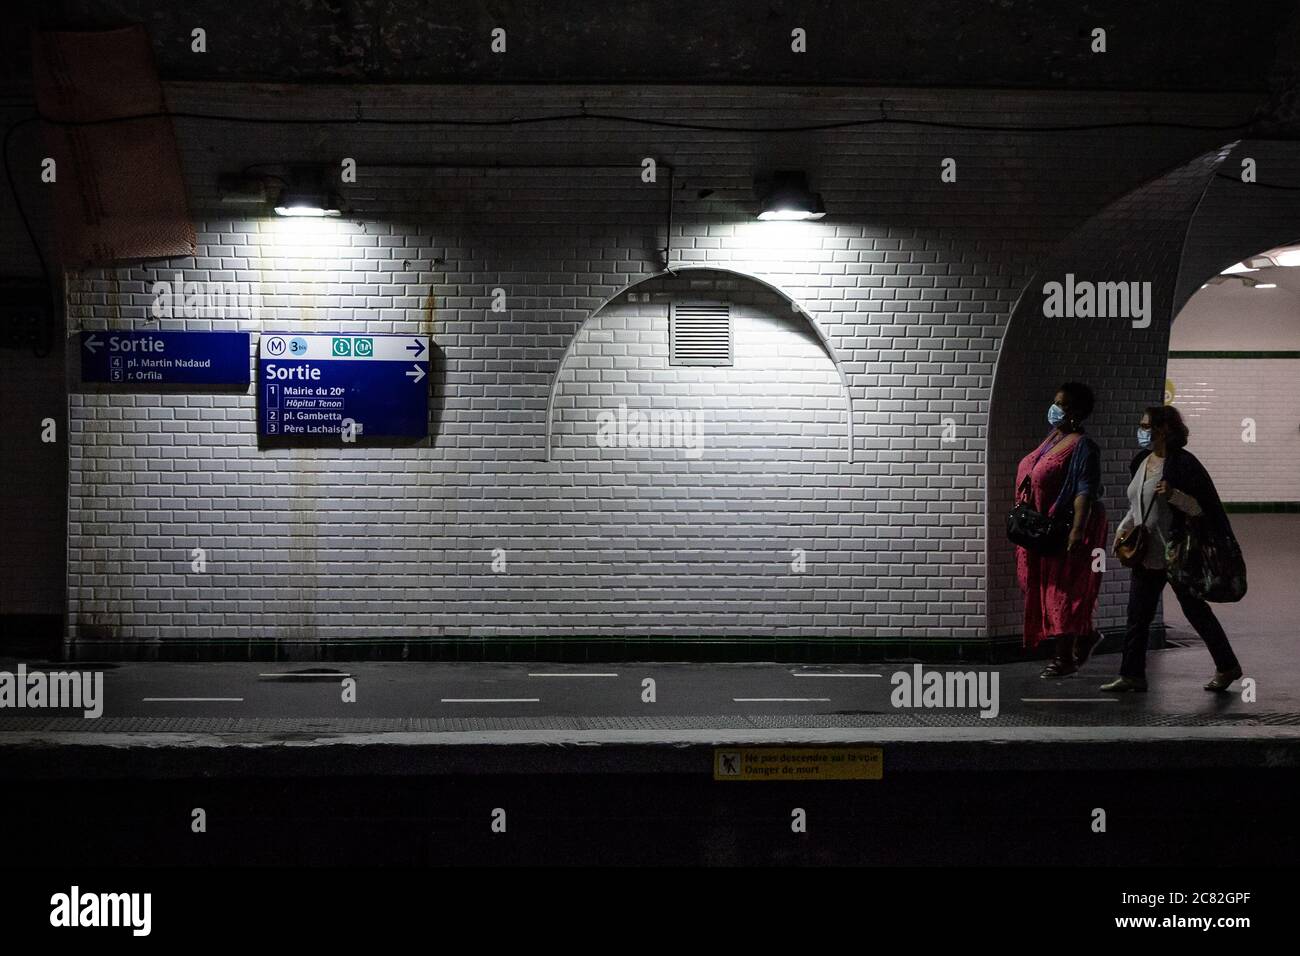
(797, 763)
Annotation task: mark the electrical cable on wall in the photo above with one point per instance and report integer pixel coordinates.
(585, 115)
(644, 121)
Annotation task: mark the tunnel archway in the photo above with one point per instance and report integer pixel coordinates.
(1178, 232)
(1138, 239)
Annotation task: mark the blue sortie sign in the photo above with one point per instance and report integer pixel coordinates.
(315, 385)
(165, 358)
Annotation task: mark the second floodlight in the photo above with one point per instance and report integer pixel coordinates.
(788, 199)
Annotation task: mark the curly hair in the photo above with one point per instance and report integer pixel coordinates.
(1171, 420)
(1080, 398)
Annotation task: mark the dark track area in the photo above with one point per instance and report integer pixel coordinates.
(1202, 818)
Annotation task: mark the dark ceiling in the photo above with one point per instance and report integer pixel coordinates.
(1191, 45)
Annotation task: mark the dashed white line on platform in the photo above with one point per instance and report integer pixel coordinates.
(572, 675)
(190, 700)
(780, 700)
(807, 674)
(304, 675)
(491, 700)
(1069, 700)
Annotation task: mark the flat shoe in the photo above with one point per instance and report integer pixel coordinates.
(1122, 685)
(1058, 669)
(1222, 680)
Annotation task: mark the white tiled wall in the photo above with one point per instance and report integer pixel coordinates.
(909, 282)
(1219, 398)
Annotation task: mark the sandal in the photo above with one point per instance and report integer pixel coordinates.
(1058, 668)
(1063, 664)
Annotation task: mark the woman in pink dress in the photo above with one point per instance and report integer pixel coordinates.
(1061, 589)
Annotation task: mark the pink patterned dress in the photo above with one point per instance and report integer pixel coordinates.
(1061, 589)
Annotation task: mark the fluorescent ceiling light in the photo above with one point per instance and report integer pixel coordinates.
(1238, 267)
(1264, 285)
(1288, 257)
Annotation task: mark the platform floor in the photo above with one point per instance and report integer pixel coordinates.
(225, 713)
(157, 707)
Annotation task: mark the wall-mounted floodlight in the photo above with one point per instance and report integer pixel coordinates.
(305, 194)
(301, 192)
(788, 199)
(293, 202)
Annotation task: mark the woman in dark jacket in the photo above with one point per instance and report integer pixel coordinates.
(1169, 487)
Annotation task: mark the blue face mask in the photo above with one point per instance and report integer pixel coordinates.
(1055, 415)
(1144, 437)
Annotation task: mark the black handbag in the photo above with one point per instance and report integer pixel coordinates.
(1206, 565)
(1033, 530)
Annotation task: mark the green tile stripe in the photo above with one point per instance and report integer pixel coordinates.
(1262, 507)
(1225, 354)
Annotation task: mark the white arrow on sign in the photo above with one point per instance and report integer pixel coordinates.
(417, 375)
(93, 343)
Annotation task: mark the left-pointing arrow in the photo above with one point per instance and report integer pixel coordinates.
(417, 375)
(93, 343)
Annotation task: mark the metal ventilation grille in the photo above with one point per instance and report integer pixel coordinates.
(699, 333)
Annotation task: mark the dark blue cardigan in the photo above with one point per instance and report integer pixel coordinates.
(1083, 476)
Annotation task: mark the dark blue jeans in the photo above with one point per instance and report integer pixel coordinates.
(1143, 597)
